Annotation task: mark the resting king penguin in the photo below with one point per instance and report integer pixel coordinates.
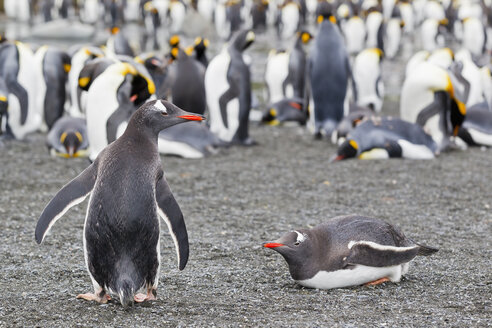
(68, 137)
(128, 193)
(228, 91)
(328, 71)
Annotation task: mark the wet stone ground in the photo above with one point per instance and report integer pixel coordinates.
(235, 201)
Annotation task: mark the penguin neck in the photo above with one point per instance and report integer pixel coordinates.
(138, 131)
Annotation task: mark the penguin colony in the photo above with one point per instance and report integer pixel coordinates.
(121, 108)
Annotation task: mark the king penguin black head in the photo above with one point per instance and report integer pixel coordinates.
(160, 114)
(347, 149)
(71, 140)
(243, 39)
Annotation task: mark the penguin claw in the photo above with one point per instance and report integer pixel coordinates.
(377, 282)
(95, 297)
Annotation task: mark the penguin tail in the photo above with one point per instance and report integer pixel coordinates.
(426, 250)
(126, 290)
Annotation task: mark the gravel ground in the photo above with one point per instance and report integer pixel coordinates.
(234, 202)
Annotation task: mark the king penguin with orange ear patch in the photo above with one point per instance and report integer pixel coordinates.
(328, 71)
(348, 251)
(128, 192)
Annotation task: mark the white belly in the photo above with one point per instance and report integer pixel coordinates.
(361, 274)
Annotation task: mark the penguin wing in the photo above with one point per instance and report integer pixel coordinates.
(71, 194)
(376, 255)
(170, 212)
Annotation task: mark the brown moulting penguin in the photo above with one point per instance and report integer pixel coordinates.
(128, 193)
(348, 251)
(228, 91)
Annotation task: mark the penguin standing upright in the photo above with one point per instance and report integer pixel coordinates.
(474, 36)
(128, 194)
(328, 71)
(176, 14)
(354, 32)
(348, 251)
(117, 43)
(432, 34)
(289, 19)
(429, 97)
(18, 70)
(111, 99)
(376, 30)
(368, 79)
(4, 106)
(228, 90)
(54, 66)
(285, 72)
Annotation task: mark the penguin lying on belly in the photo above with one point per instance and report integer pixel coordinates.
(348, 251)
(286, 110)
(68, 137)
(387, 137)
(477, 127)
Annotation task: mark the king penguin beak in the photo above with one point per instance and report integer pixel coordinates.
(336, 158)
(192, 117)
(272, 245)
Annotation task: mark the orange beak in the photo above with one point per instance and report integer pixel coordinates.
(272, 245)
(192, 117)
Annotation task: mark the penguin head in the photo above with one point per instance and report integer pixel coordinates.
(159, 114)
(174, 41)
(304, 36)
(324, 12)
(457, 108)
(242, 40)
(348, 149)
(296, 247)
(71, 140)
(201, 45)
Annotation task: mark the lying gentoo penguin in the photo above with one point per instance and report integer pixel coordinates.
(128, 194)
(68, 137)
(387, 137)
(348, 251)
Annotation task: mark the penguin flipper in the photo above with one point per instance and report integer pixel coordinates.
(376, 255)
(18, 90)
(71, 194)
(432, 109)
(170, 212)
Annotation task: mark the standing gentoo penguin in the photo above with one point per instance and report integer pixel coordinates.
(348, 251)
(128, 194)
(228, 89)
(328, 69)
(68, 137)
(387, 137)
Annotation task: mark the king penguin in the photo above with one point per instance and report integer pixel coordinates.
(387, 137)
(128, 193)
(68, 137)
(111, 99)
(17, 68)
(348, 251)
(228, 90)
(368, 79)
(430, 98)
(328, 69)
(54, 66)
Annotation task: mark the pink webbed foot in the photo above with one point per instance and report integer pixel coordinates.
(140, 297)
(100, 297)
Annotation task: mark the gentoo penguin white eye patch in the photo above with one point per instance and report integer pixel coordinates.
(300, 237)
(159, 106)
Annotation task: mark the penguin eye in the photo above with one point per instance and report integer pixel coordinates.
(164, 113)
(297, 243)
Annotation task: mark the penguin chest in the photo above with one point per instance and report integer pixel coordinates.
(357, 275)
